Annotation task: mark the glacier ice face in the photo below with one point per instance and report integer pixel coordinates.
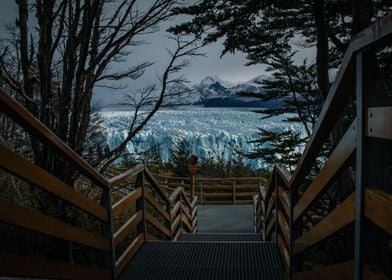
(214, 131)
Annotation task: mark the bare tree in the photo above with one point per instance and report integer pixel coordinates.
(54, 67)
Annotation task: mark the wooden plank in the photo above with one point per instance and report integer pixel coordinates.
(217, 202)
(194, 212)
(283, 252)
(378, 121)
(271, 205)
(175, 209)
(132, 172)
(194, 224)
(339, 93)
(124, 230)
(270, 226)
(175, 223)
(31, 173)
(126, 202)
(245, 194)
(26, 120)
(150, 178)
(177, 235)
(194, 202)
(185, 198)
(378, 208)
(132, 249)
(284, 199)
(185, 221)
(235, 179)
(210, 195)
(283, 174)
(19, 216)
(229, 187)
(157, 224)
(175, 194)
(186, 212)
(150, 198)
(336, 162)
(340, 271)
(284, 227)
(340, 217)
(25, 266)
(151, 237)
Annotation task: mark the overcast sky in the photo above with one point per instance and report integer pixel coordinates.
(229, 67)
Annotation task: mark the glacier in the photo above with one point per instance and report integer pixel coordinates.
(210, 131)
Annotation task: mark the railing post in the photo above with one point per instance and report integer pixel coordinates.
(141, 205)
(373, 163)
(109, 258)
(295, 231)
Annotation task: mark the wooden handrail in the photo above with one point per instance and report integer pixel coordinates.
(339, 94)
(127, 174)
(31, 173)
(26, 120)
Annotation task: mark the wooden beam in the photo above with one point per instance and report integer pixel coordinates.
(284, 227)
(132, 249)
(186, 212)
(270, 226)
(340, 217)
(154, 183)
(126, 202)
(150, 198)
(26, 120)
(177, 235)
(342, 153)
(34, 220)
(175, 194)
(175, 223)
(340, 271)
(378, 208)
(157, 224)
(126, 175)
(283, 252)
(271, 204)
(31, 173)
(283, 174)
(284, 199)
(185, 221)
(378, 121)
(125, 229)
(25, 266)
(151, 237)
(339, 93)
(175, 209)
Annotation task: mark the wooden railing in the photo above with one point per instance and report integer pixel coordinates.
(216, 191)
(155, 215)
(365, 215)
(147, 212)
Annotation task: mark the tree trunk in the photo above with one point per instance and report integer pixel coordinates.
(322, 56)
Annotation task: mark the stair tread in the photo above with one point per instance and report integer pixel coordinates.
(227, 237)
(205, 260)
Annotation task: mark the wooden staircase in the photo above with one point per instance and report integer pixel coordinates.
(207, 256)
(144, 233)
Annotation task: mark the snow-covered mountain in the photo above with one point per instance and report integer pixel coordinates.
(213, 87)
(210, 88)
